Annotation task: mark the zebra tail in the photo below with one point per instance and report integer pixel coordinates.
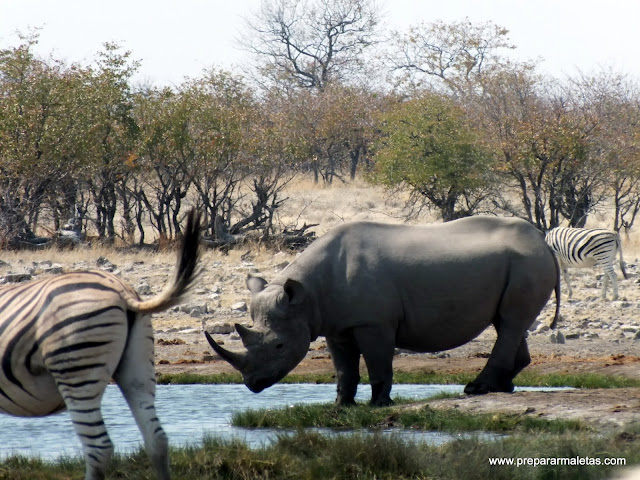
(624, 272)
(184, 275)
(554, 323)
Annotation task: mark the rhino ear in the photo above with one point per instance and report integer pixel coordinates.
(294, 291)
(255, 284)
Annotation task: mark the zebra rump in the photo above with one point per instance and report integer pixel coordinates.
(586, 248)
(63, 338)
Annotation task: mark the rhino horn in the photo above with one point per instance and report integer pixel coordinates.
(248, 335)
(236, 359)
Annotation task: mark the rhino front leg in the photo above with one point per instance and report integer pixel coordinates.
(346, 360)
(377, 346)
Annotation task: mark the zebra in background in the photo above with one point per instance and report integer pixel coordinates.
(63, 338)
(584, 248)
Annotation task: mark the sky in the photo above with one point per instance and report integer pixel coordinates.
(178, 39)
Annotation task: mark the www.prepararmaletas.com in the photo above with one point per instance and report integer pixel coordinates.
(559, 461)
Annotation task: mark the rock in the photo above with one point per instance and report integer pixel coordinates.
(17, 277)
(534, 326)
(143, 288)
(239, 307)
(572, 336)
(102, 261)
(53, 270)
(621, 304)
(198, 311)
(106, 265)
(189, 330)
(281, 266)
(542, 328)
(557, 337)
(221, 329)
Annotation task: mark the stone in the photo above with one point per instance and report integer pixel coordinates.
(221, 329)
(17, 277)
(198, 311)
(239, 307)
(143, 288)
(281, 266)
(53, 270)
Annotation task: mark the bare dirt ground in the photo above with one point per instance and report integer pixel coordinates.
(599, 336)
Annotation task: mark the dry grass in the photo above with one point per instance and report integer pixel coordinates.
(332, 205)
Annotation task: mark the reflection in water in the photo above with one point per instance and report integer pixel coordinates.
(187, 412)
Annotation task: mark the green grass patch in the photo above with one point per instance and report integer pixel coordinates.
(314, 456)
(526, 378)
(197, 379)
(424, 418)
(577, 380)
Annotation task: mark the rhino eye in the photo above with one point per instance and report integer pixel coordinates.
(279, 346)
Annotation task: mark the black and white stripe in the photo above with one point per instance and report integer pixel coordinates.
(585, 248)
(63, 338)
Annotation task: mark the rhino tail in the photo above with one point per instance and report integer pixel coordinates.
(556, 316)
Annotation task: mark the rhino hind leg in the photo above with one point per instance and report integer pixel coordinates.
(346, 361)
(496, 378)
(377, 346)
(522, 358)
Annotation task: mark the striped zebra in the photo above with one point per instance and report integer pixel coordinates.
(584, 248)
(63, 338)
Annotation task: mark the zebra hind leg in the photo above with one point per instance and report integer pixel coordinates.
(82, 370)
(135, 376)
(565, 275)
(88, 424)
(609, 273)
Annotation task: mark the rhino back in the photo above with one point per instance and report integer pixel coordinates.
(435, 287)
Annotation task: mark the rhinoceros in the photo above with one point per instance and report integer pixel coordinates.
(370, 288)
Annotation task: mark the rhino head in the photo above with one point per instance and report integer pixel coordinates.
(280, 336)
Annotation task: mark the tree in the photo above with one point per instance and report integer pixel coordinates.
(330, 130)
(112, 135)
(615, 101)
(43, 124)
(311, 43)
(451, 55)
(428, 145)
(217, 112)
(545, 134)
(162, 161)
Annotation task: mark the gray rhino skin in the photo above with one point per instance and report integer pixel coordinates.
(370, 288)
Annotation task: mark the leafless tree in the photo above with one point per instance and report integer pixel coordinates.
(310, 43)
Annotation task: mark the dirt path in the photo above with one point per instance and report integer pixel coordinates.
(601, 408)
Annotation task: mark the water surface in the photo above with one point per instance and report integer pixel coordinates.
(187, 413)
